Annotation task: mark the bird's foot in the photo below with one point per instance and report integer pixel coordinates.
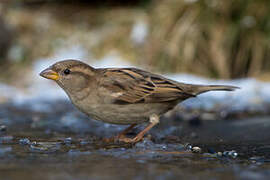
(123, 139)
(114, 139)
(120, 136)
(131, 140)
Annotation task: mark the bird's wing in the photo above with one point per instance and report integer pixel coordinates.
(131, 85)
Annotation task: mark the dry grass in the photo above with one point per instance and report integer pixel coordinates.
(225, 39)
(213, 38)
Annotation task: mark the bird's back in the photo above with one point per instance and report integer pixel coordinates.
(131, 85)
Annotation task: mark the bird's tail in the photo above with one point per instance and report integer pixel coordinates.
(199, 89)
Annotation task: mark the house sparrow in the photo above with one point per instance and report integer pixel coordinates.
(122, 95)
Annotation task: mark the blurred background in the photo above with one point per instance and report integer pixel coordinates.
(211, 38)
(192, 41)
(207, 38)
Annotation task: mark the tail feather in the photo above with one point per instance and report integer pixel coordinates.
(199, 89)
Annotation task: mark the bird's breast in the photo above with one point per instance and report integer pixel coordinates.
(122, 114)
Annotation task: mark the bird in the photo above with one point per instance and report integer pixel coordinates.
(124, 96)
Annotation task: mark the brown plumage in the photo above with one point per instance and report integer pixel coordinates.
(122, 95)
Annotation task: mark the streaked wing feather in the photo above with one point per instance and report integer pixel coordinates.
(135, 86)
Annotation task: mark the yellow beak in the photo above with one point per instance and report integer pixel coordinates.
(49, 74)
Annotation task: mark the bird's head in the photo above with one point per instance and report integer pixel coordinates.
(72, 75)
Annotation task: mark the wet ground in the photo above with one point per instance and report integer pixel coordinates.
(62, 143)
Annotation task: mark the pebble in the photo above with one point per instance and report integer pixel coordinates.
(196, 149)
(68, 140)
(232, 154)
(45, 146)
(256, 159)
(188, 147)
(219, 154)
(3, 128)
(24, 141)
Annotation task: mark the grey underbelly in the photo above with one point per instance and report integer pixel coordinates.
(125, 114)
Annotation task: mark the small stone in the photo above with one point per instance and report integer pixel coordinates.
(45, 146)
(231, 154)
(256, 159)
(188, 147)
(164, 147)
(68, 140)
(24, 141)
(3, 128)
(234, 154)
(34, 143)
(219, 154)
(196, 149)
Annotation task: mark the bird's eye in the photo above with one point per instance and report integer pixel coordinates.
(67, 71)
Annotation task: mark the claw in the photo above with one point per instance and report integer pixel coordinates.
(131, 140)
(154, 119)
(114, 139)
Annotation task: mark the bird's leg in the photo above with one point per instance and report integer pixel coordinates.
(125, 131)
(121, 135)
(154, 119)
